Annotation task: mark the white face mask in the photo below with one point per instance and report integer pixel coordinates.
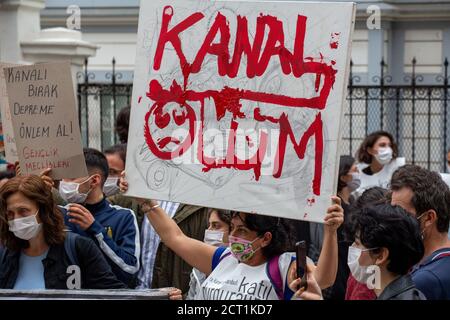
(360, 273)
(214, 237)
(69, 192)
(384, 155)
(355, 183)
(25, 228)
(448, 168)
(111, 186)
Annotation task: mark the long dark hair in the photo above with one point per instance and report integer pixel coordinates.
(363, 154)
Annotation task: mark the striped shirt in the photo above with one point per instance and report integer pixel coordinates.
(150, 242)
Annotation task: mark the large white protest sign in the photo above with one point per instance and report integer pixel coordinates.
(238, 105)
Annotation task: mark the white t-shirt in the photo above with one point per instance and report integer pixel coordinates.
(232, 280)
(379, 179)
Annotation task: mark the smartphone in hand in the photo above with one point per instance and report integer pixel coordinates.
(301, 264)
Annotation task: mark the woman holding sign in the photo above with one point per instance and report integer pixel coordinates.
(256, 263)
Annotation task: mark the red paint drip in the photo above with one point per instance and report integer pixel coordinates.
(249, 141)
(334, 43)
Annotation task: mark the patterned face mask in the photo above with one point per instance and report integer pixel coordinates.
(242, 249)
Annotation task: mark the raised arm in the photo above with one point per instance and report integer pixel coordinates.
(327, 266)
(196, 253)
(326, 269)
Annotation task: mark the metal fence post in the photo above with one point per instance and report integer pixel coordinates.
(445, 112)
(413, 112)
(350, 102)
(114, 95)
(86, 99)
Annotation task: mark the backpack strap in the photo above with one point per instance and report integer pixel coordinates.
(274, 274)
(69, 246)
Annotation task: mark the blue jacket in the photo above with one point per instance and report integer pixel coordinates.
(116, 232)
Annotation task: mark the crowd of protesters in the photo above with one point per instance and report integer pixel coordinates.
(384, 236)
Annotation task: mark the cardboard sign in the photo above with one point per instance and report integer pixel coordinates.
(238, 105)
(8, 133)
(45, 121)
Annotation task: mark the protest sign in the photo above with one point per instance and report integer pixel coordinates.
(238, 105)
(45, 121)
(8, 134)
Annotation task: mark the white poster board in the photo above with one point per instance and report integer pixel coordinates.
(238, 105)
